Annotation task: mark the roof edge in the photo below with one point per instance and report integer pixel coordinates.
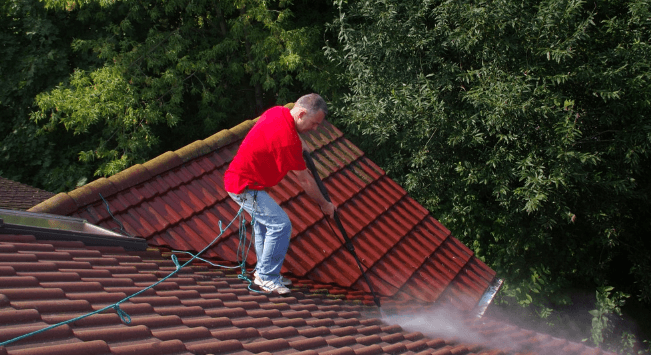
(66, 203)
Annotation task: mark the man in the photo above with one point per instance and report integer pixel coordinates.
(268, 152)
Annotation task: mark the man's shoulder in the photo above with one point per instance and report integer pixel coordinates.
(274, 121)
(276, 112)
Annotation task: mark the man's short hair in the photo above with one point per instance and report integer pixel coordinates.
(313, 103)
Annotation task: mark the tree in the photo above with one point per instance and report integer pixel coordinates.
(523, 127)
(145, 77)
(35, 57)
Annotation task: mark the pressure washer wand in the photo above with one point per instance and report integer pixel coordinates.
(349, 244)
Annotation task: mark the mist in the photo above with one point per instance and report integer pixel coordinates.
(450, 324)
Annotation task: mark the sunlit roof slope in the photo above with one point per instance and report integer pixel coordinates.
(177, 200)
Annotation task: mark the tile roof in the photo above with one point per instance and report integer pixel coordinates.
(17, 196)
(175, 202)
(177, 199)
(203, 310)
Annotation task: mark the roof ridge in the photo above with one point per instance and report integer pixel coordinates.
(65, 203)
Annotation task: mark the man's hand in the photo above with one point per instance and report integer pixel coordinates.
(329, 209)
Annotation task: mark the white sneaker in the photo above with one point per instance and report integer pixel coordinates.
(283, 280)
(272, 286)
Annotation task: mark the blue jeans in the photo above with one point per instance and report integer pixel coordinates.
(272, 229)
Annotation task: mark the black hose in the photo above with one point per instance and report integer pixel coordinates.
(349, 244)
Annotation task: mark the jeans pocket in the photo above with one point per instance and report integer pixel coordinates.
(239, 198)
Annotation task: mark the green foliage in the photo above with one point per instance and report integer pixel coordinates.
(35, 56)
(104, 97)
(143, 77)
(522, 126)
(607, 307)
(628, 342)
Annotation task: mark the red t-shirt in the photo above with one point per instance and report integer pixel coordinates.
(270, 149)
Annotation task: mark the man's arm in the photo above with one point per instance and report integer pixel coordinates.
(308, 183)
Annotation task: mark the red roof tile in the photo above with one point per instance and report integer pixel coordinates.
(17, 196)
(203, 311)
(177, 201)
